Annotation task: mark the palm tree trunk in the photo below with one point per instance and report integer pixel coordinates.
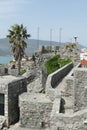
(19, 63)
(19, 66)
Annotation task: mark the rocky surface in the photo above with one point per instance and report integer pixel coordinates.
(35, 110)
(35, 86)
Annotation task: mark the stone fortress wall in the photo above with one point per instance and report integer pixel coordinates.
(15, 88)
(76, 90)
(80, 89)
(37, 108)
(10, 88)
(3, 69)
(57, 109)
(55, 78)
(73, 118)
(75, 121)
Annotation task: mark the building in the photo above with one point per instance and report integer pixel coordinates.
(83, 57)
(10, 89)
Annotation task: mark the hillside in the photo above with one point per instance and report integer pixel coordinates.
(31, 46)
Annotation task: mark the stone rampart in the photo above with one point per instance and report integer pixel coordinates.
(44, 76)
(3, 69)
(30, 76)
(69, 92)
(13, 72)
(70, 83)
(15, 88)
(54, 79)
(80, 89)
(10, 88)
(74, 121)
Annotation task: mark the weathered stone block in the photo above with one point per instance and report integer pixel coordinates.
(35, 110)
(80, 91)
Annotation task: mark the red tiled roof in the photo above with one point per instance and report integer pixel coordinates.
(83, 62)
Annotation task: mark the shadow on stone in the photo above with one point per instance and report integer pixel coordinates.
(62, 108)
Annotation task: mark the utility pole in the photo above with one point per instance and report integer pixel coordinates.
(51, 39)
(60, 30)
(38, 29)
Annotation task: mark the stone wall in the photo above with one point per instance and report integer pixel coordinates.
(68, 121)
(69, 93)
(54, 78)
(15, 88)
(44, 76)
(57, 77)
(30, 76)
(80, 88)
(76, 89)
(35, 110)
(56, 106)
(11, 87)
(4, 90)
(46, 49)
(13, 72)
(70, 85)
(35, 86)
(3, 70)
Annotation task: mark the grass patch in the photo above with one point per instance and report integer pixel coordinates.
(55, 62)
(22, 71)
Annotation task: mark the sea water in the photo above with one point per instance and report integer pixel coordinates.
(5, 59)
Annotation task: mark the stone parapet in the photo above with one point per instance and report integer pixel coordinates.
(54, 79)
(80, 89)
(13, 72)
(75, 121)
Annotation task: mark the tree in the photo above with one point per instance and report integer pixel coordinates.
(17, 36)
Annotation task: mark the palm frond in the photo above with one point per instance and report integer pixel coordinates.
(17, 36)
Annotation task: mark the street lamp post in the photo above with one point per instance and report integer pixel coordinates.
(38, 29)
(50, 39)
(75, 39)
(60, 30)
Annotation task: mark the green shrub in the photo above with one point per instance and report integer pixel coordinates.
(55, 62)
(22, 71)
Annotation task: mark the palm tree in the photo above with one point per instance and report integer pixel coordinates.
(17, 36)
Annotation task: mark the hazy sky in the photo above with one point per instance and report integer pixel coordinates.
(70, 15)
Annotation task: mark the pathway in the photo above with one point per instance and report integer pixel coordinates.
(18, 127)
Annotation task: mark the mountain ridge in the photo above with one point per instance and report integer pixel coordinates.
(32, 45)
